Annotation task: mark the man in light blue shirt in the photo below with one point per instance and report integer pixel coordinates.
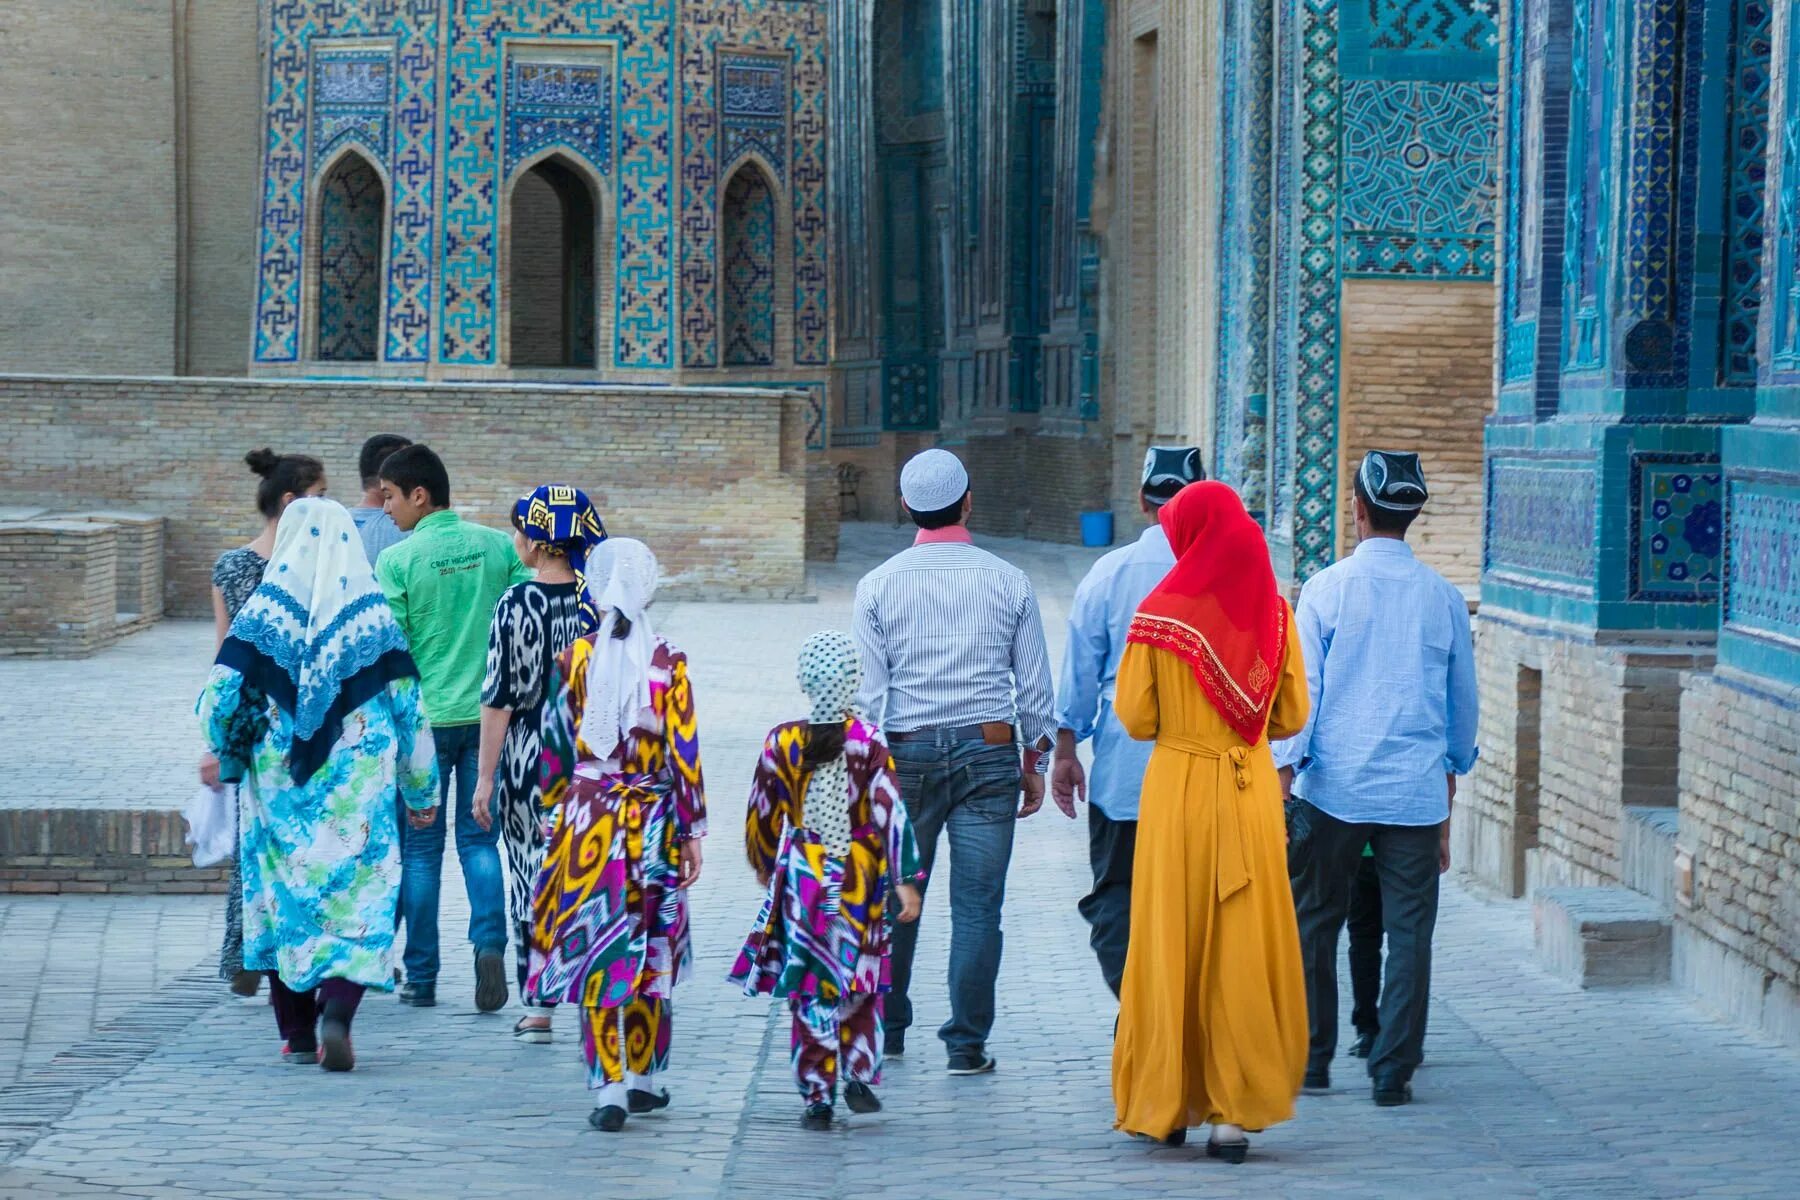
(377, 529)
(1104, 605)
(1391, 671)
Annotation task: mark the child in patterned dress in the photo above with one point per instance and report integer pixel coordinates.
(827, 835)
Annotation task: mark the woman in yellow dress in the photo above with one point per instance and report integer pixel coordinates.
(1212, 1019)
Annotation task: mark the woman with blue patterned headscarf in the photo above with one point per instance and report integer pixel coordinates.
(556, 531)
(313, 706)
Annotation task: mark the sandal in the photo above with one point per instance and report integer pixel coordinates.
(528, 1032)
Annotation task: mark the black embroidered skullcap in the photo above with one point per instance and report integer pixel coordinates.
(1168, 469)
(1393, 480)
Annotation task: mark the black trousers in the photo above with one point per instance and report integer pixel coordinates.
(1324, 871)
(1365, 947)
(1107, 909)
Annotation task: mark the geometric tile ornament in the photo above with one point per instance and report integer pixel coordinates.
(1419, 178)
(1676, 518)
(1432, 25)
(1540, 520)
(1762, 590)
(1752, 45)
(351, 200)
(1781, 321)
(747, 250)
(718, 129)
(1316, 341)
(441, 289)
(299, 30)
(560, 103)
(642, 35)
(351, 99)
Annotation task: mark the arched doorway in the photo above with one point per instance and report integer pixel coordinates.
(747, 244)
(552, 292)
(352, 218)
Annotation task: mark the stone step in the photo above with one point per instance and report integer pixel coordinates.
(1596, 936)
(1647, 852)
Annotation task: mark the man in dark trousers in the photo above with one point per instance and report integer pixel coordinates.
(1104, 605)
(1390, 667)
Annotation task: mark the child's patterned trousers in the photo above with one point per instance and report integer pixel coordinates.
(632, 1039)
(833, 1038)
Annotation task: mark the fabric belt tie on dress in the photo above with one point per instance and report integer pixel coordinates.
(1232, 870)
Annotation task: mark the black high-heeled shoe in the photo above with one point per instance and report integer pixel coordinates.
(1231, 1152)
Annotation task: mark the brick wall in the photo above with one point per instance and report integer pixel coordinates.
(58, 583)
(713, 479)
(218, 160)
(1417, 374)
(1738, 944)
(1035, 486)
(87, 196)
(1600, 735)
(100, 850)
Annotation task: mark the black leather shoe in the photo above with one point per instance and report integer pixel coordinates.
(861, 1097)
(817, 1116)
(642, 1102)
(1231, 1152)
(893, 1044)
(1364, 1043)
(610, 1119)
(419, 995)
(1392, 1090)
(1317, 1082)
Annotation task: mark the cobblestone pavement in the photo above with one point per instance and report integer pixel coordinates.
(1531, 1088)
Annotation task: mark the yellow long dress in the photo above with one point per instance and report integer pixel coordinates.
(1212, 1017)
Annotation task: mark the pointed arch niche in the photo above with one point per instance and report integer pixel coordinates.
(348, 275)
(755, 269)
(556, 265)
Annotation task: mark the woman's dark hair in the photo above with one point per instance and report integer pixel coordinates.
(941, 518)
(824, 742)
(621, 626)
(417, 466)
(282, 474)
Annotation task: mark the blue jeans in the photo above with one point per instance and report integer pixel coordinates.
(972, 790)
(422, 861)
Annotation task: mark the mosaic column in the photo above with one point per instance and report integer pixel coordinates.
(1604, 548)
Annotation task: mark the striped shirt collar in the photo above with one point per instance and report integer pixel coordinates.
(949, 533)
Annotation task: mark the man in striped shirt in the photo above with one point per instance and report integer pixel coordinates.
(956, 674)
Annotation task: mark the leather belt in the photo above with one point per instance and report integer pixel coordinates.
(994, 733)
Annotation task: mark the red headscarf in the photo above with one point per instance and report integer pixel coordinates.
(1219, 608)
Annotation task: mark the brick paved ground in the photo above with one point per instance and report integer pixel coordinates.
(1531, 1089)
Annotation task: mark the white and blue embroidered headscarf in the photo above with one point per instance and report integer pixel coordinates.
(317, 637)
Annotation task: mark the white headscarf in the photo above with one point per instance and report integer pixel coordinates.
(830, 672)
(618, 682)
(317, 636)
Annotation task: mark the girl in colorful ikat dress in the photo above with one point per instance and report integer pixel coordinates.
(621, 771)
(313, 705)
(827, 835)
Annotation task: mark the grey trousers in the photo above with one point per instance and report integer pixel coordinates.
(1324, 870)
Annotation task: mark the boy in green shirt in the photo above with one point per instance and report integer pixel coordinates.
(443, 582)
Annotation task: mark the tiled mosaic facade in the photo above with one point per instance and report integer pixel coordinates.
(1371, 127)
(1650, 325)
(451, 99)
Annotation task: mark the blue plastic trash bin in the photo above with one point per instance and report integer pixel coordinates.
(1096, 529)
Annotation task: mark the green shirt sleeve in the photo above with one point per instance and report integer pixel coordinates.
(389, 574)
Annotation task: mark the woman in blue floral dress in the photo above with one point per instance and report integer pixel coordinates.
(313, 707)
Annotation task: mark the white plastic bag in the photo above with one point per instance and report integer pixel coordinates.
(212, 824)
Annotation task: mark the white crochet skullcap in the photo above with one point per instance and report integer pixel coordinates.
(933, 480)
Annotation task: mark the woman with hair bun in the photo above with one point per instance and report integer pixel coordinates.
(236, 574)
